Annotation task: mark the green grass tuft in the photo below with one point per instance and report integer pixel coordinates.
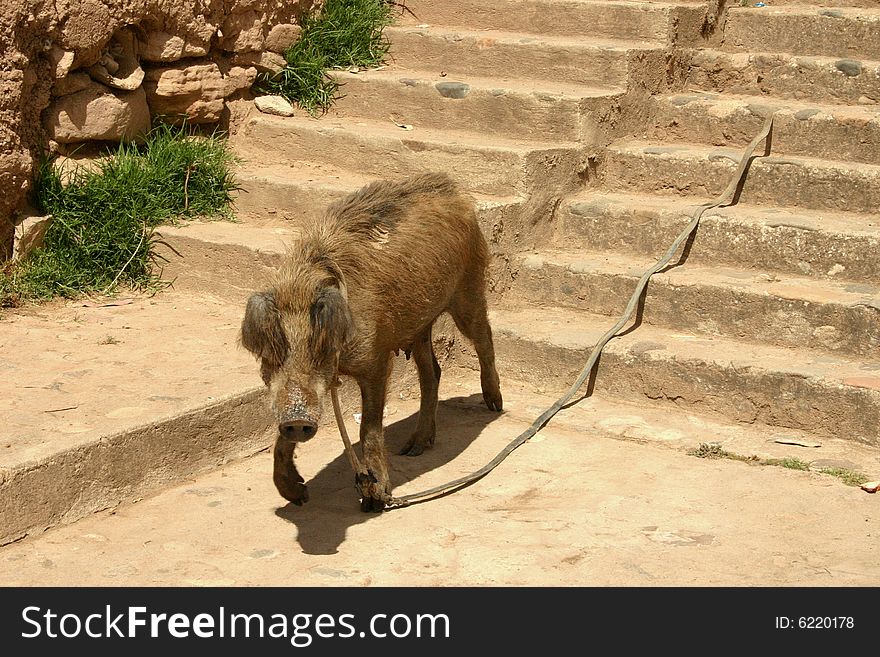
(714, 451)
(849, 477)
(342, 34)
(103, 218)
(789, 462)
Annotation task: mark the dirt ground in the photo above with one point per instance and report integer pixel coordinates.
(605, 495)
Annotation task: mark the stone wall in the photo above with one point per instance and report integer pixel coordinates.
(74, 71)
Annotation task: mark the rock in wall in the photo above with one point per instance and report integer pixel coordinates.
(82, 70)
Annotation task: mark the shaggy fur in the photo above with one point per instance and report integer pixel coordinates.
(366, 280)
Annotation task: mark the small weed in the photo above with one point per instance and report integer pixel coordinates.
(342, 34)
(714, 451)
(109, 340)
(103, 218)
(849, 477)
(788, 462)
(707, 451)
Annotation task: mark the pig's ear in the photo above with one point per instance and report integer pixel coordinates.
(262, 333)
(332, 326)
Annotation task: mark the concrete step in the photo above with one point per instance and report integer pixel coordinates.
(226, 260)
(834, 132)
(818, 244)
(105, 403)
(510, 108)
(793, 388)
(800, 77)
(489, 53)
(798, 181)
(853, 33)
(278, 198)
(648, 21)
(752, 306)
(289, 193)
(496, 167)
(605, 494)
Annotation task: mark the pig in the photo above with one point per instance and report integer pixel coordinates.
(365, 281)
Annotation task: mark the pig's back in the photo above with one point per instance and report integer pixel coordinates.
(404, 248)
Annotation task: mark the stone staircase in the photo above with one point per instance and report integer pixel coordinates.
(586, 130)
(504, 107)
(775, 318)
(625, 117)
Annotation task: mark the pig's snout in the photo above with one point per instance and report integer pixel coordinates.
(298, 431)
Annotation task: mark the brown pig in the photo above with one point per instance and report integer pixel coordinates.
(366, 280)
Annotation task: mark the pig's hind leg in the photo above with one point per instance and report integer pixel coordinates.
(429, 383)
(468, 309)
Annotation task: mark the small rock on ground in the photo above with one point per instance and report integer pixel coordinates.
(273, 105)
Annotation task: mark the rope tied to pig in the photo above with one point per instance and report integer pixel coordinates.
(727, 198)
(359, 469)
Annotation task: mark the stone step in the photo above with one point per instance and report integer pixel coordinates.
(495, 167)
(793, 388)
(786, 311)
(106, 403)
(650, 21)
(290, 192)
(226, 260)
(488, 53)
(520, 109)
(276, 199)
(853, 33)
(834, 132)
(687, 169)
(818, 244)
(801, 77)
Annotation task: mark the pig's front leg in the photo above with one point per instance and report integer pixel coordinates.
(287, 480)
(375, 486)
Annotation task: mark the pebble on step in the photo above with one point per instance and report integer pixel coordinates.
(273, 105)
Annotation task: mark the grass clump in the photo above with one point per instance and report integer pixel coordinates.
(342, 34)
(714, 451)
(789, 462)
(103, 217)
(849, 477)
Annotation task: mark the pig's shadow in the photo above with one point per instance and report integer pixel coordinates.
(334, 506)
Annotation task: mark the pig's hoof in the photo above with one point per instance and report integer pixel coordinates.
(412, 448)
(297, 494)
(374, 496)
(493, 400)
(416, 446)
